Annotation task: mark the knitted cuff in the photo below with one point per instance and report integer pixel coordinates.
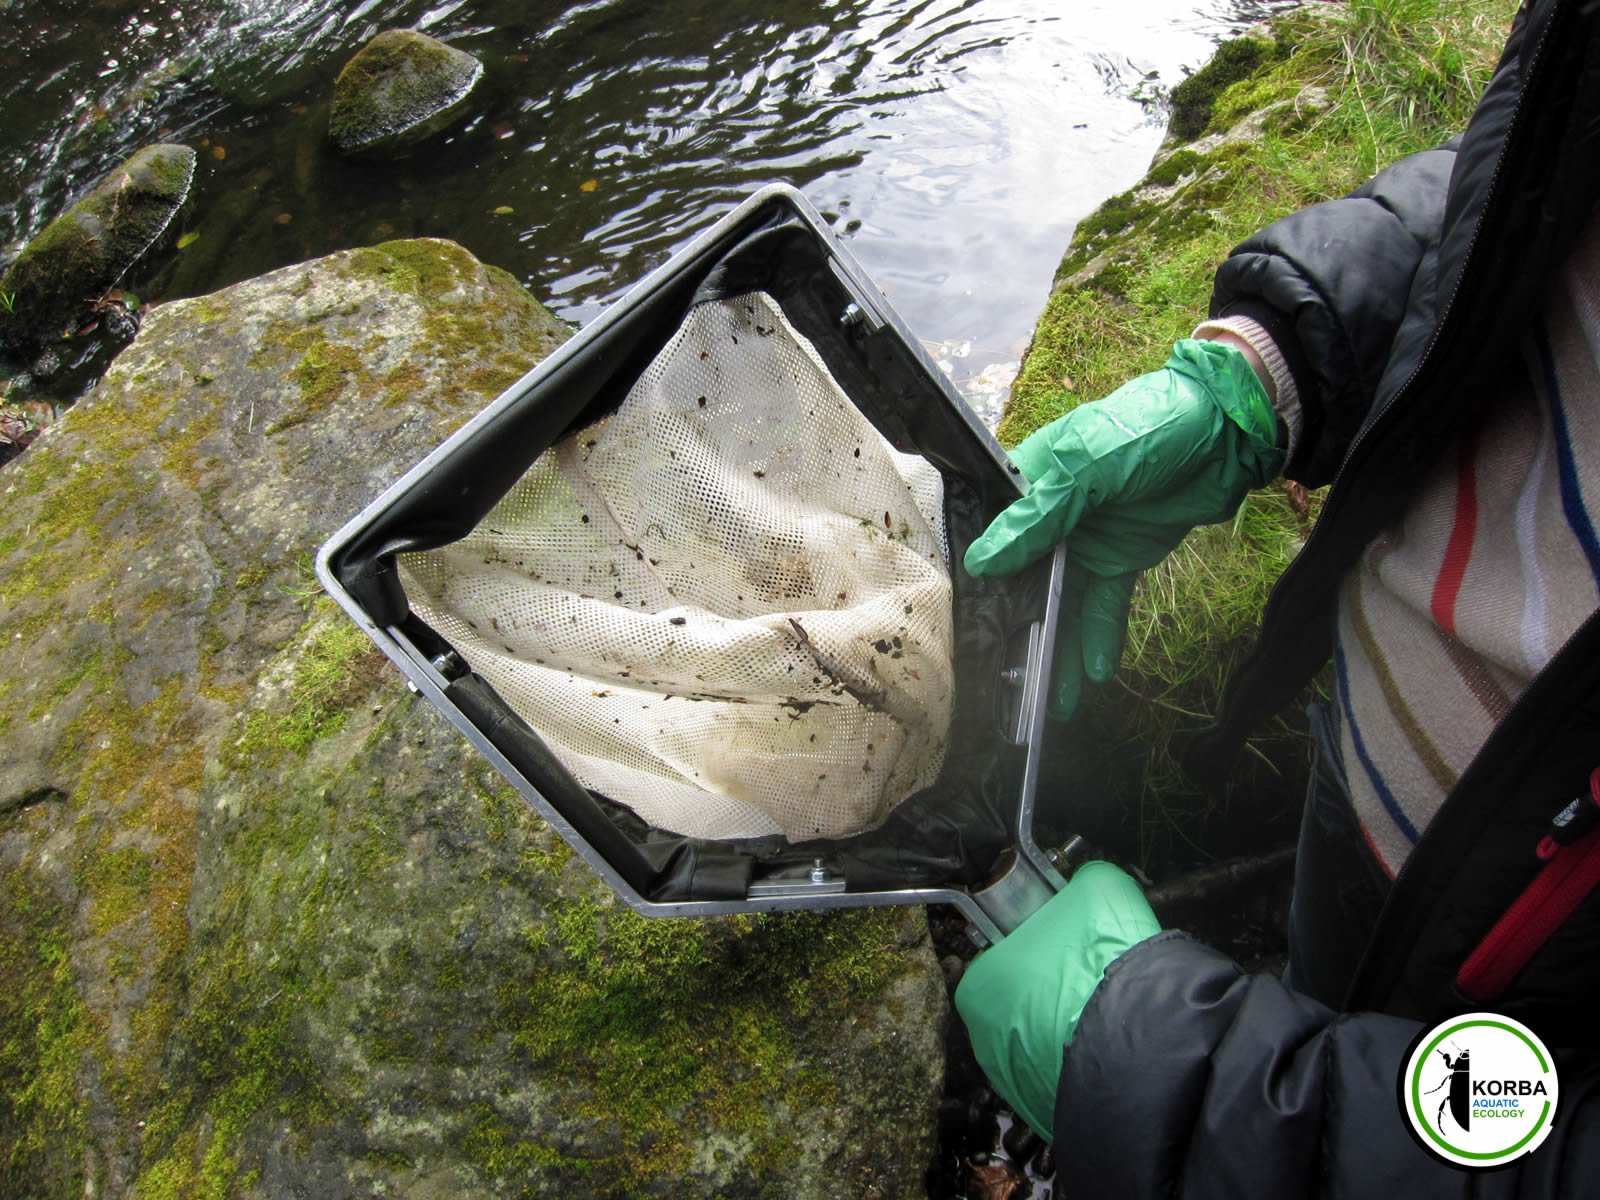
(1255, 335)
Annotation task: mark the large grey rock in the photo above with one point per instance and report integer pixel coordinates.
(85, 250)
(268, 927)
(401, 88)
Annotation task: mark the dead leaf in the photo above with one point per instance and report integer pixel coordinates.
(384, 229)
(995, 1181)
(1298, 499)
(588, 185)
(504, 210)
(219, 152)
(283, 218)
(188, 239)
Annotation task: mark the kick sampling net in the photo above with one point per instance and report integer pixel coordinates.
(687, 586)
(726, 605)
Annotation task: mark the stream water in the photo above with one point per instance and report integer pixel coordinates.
(954, 142)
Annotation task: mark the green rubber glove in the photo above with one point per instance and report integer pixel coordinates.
(1123, 480)
(1022, 997)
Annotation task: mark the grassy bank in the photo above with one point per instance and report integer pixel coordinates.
(1300, 111)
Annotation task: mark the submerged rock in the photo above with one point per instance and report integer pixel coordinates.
(401, 88)
(85, 250)
(268, 926)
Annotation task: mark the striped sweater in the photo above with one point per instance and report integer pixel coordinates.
(1452, 611)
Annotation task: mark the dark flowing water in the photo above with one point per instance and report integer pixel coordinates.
(955, 142)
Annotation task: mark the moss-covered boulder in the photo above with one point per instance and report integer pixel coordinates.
(268, 927)
(401, 88)
(85, 250)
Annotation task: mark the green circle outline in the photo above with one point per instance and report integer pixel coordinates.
(1416, 1092)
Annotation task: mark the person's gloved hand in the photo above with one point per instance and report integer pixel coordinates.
(1022, 997)
(1123, 479)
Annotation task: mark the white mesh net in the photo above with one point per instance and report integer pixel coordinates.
(727, 605)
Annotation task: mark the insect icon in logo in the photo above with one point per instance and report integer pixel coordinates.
(1458, 1076)
(1499, 1089)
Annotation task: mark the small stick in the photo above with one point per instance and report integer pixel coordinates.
(867, 699)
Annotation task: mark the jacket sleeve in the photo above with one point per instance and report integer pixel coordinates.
(1331, 283)
(1188, 1077)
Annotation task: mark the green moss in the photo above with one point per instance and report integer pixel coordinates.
(118, 884)
(389, 1160)
(208, 310)
(370, 855)
(45, 1033)
(1192, 99)
(231, 1069)
(171, 174)
(323, 375)
(427, 269)
(333, 664)
(430, 271)
(437, 267)
(404, 385)
(70, 237)
(469, 340)
(60, 540)
(235, 1051)
(66, 685)
(1115, 215)
(180, 444)
(1252, 95)
(298, 861)
(130, 767)
(651, 1021)
(1176, 165)
(324, 369)
(492, 379)
(493, 1145)
(139, 766)
(251, 578)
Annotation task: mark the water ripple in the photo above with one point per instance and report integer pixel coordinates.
(955, 141)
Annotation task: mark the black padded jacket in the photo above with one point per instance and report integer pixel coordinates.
(1399, 309)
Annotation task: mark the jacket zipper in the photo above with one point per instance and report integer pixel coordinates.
(1570, 852)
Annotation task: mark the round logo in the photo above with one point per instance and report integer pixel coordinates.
(1479, 1090)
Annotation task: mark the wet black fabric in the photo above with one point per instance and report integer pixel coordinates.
(948, 834)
